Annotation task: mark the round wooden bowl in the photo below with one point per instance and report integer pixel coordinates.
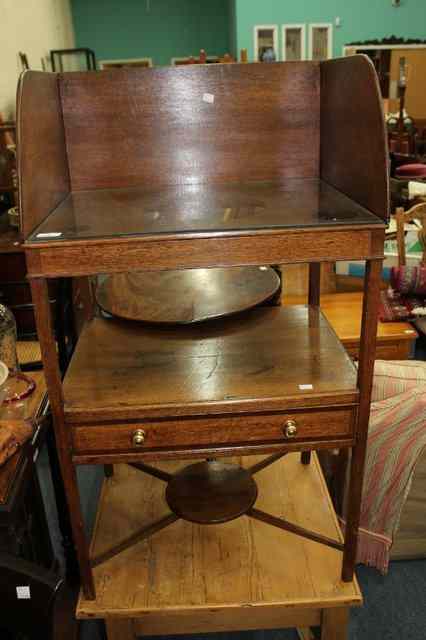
(186, 296)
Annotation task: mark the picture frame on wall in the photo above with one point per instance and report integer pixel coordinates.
(293, 42)
(266, 43)
(320, 41)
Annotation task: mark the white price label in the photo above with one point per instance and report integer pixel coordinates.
(306, 387)
(208, 97)
(51, 234)
(23, 593)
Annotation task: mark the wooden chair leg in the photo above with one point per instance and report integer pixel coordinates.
(339, 480)
(305, 457)
(108, 470)
(314, 283)
(334, 623)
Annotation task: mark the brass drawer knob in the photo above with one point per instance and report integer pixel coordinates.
(139, 437)
(290, 429)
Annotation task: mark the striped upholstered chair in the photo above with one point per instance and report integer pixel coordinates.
(396, 449)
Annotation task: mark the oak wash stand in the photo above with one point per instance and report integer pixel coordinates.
(211, 166)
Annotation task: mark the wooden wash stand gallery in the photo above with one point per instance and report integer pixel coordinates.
(212, 166)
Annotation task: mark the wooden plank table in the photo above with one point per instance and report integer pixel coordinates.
(240, 575)
(343, 311)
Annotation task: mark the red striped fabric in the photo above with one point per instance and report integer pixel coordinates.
(396, 440)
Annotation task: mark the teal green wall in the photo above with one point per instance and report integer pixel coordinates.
(233, 29)
(163, 29)
(361, 19)
(158, 29)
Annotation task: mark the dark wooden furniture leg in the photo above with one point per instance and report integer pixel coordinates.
(314, 283)
(365, 381)
(72, 570)
(314, 300)
(45, 553)
(305, 457)
(338, 479)
(108, 470)
(63, 436)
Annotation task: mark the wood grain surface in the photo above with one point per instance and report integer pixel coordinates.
(188, 251)
(217, 431)
(154, 126)
(187, 570)
(354, 153)
(42, 158)
(344, 313)
(229, 365)
(186, 296)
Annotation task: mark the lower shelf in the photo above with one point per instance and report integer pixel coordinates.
(267, 359)
(244, 574)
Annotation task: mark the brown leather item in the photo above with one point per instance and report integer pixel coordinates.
(13, 434)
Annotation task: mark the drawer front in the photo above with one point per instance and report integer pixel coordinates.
(395, 350)
(217, 430)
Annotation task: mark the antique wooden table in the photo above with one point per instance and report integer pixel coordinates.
(395, 340)
(239, 165)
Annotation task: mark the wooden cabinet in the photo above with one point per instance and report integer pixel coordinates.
(214, 166)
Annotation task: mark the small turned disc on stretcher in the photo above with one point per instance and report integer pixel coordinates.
(211, 492)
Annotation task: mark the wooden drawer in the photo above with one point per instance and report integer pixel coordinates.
(392, 350)
(221, 430)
